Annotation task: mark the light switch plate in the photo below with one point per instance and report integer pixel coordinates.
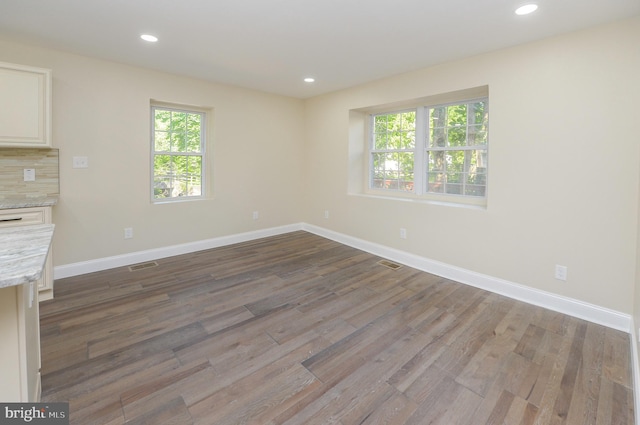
(80, 162)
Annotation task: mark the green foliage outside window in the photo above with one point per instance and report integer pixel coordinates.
(455, 149)
(178, 153)
(395, 139)
(454, 166)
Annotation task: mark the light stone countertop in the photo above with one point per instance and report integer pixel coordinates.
(44, 201)
(23, 252)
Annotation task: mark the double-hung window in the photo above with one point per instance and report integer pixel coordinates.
(429, 150)
(178, 153)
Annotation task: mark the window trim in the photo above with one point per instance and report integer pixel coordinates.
(204, 113)
(421, 106)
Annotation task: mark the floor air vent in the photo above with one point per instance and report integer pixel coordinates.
(141, 266)
(389, 264)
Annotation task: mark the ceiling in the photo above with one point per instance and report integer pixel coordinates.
(271, 45)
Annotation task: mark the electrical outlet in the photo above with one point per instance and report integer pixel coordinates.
(29, 174)
(561, 272)
(326, 213)
(256, 215)
(128, 232)
(80, 162)
(403, 233)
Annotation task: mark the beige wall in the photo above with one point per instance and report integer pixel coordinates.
(101, 110)
(563, 158)
(635, 323)
(563, 183)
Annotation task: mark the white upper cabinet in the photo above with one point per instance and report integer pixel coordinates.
(25, 106)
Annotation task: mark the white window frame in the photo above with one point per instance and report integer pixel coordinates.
(201, 154)
(421, 151)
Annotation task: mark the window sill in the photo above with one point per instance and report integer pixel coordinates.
(444, 200)
(180, 199)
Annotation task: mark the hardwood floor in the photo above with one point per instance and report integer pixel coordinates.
(297, 329)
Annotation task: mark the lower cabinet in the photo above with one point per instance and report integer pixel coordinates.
(20, 319)
(20, 336)
(30, 216)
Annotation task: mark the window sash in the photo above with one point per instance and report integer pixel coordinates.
(184, 162)
(469, 182)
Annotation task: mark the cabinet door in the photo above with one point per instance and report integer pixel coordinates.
(20, 348)
(29, 329)
(25, 106)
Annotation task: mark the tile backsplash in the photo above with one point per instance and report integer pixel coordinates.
(13, 162)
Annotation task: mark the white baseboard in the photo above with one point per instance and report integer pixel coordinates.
(83, 267)
(570, 306)
(635, 368)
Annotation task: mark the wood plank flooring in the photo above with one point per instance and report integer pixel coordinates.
(297, 329)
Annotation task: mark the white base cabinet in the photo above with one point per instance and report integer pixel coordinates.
(30, 216)
(20, 336)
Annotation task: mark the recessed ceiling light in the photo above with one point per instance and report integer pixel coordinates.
(309, 80)
(148, 37)
(526, 9)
